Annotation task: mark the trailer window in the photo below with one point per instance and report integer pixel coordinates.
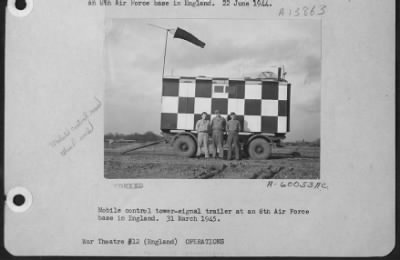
(219, 89)
(230, 90)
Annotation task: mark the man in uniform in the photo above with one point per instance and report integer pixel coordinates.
(233, 128)
(202, 128)
(218, 125)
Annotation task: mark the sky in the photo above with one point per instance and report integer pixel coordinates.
(234, 48)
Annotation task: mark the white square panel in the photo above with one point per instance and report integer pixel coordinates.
(202, 105)
(269, 107)
(186, 121)
(282, 124)
(187, 88)
(169, 104)
(236, 105)
(252, 90)
(282, 92)
(252, 123)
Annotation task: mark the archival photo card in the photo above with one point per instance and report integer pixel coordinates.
(173, 85)
(199, 128)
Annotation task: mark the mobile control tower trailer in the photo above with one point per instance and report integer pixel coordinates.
(262, 106)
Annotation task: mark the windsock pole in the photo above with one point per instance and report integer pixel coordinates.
(165, 51)
(165, 46)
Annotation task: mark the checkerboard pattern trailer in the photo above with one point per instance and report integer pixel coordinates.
(261, 105)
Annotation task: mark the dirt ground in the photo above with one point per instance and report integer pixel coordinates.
(160, 162)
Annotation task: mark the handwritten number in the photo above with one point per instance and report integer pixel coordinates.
(305, 9)
(312, 11)
(322, 10)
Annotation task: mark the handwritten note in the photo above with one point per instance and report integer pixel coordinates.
(316, 185)
(304, 11)
(76, 132)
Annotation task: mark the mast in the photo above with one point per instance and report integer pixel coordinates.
(165, 45)
(165, 51)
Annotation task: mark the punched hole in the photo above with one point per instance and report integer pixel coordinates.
(19, 200)
(20, 4)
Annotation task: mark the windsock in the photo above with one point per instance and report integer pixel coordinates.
(187, 36)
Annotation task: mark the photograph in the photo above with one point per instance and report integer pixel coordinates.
(230, 128)
(212, 99)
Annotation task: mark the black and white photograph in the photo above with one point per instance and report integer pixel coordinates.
(212, 98)
(175, 128)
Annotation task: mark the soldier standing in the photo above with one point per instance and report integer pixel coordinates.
(233, 128)
(202, 128)
(218, 125)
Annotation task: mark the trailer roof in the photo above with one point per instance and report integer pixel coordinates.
(224, 78)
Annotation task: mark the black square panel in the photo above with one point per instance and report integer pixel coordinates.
(170, 87)
(252, 107)
(169, 121)
(282, 108)
(236, 89)
(186, 105)
(270, 90)
(221, 104)
(203, 88)
(269, 124)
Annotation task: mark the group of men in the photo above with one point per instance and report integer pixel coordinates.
(218, 126)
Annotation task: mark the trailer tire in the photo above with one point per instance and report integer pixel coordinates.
(259, 149)
(185, 146)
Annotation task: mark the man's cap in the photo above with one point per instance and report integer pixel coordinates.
(233, 113)
(216, 111)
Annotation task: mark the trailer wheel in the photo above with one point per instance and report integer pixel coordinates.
(259, 149)
(185, 146)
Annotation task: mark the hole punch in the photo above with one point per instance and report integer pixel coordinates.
(19, 199)
(20, 4)
(20, 8)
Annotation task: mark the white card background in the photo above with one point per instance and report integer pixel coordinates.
(55, 71)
